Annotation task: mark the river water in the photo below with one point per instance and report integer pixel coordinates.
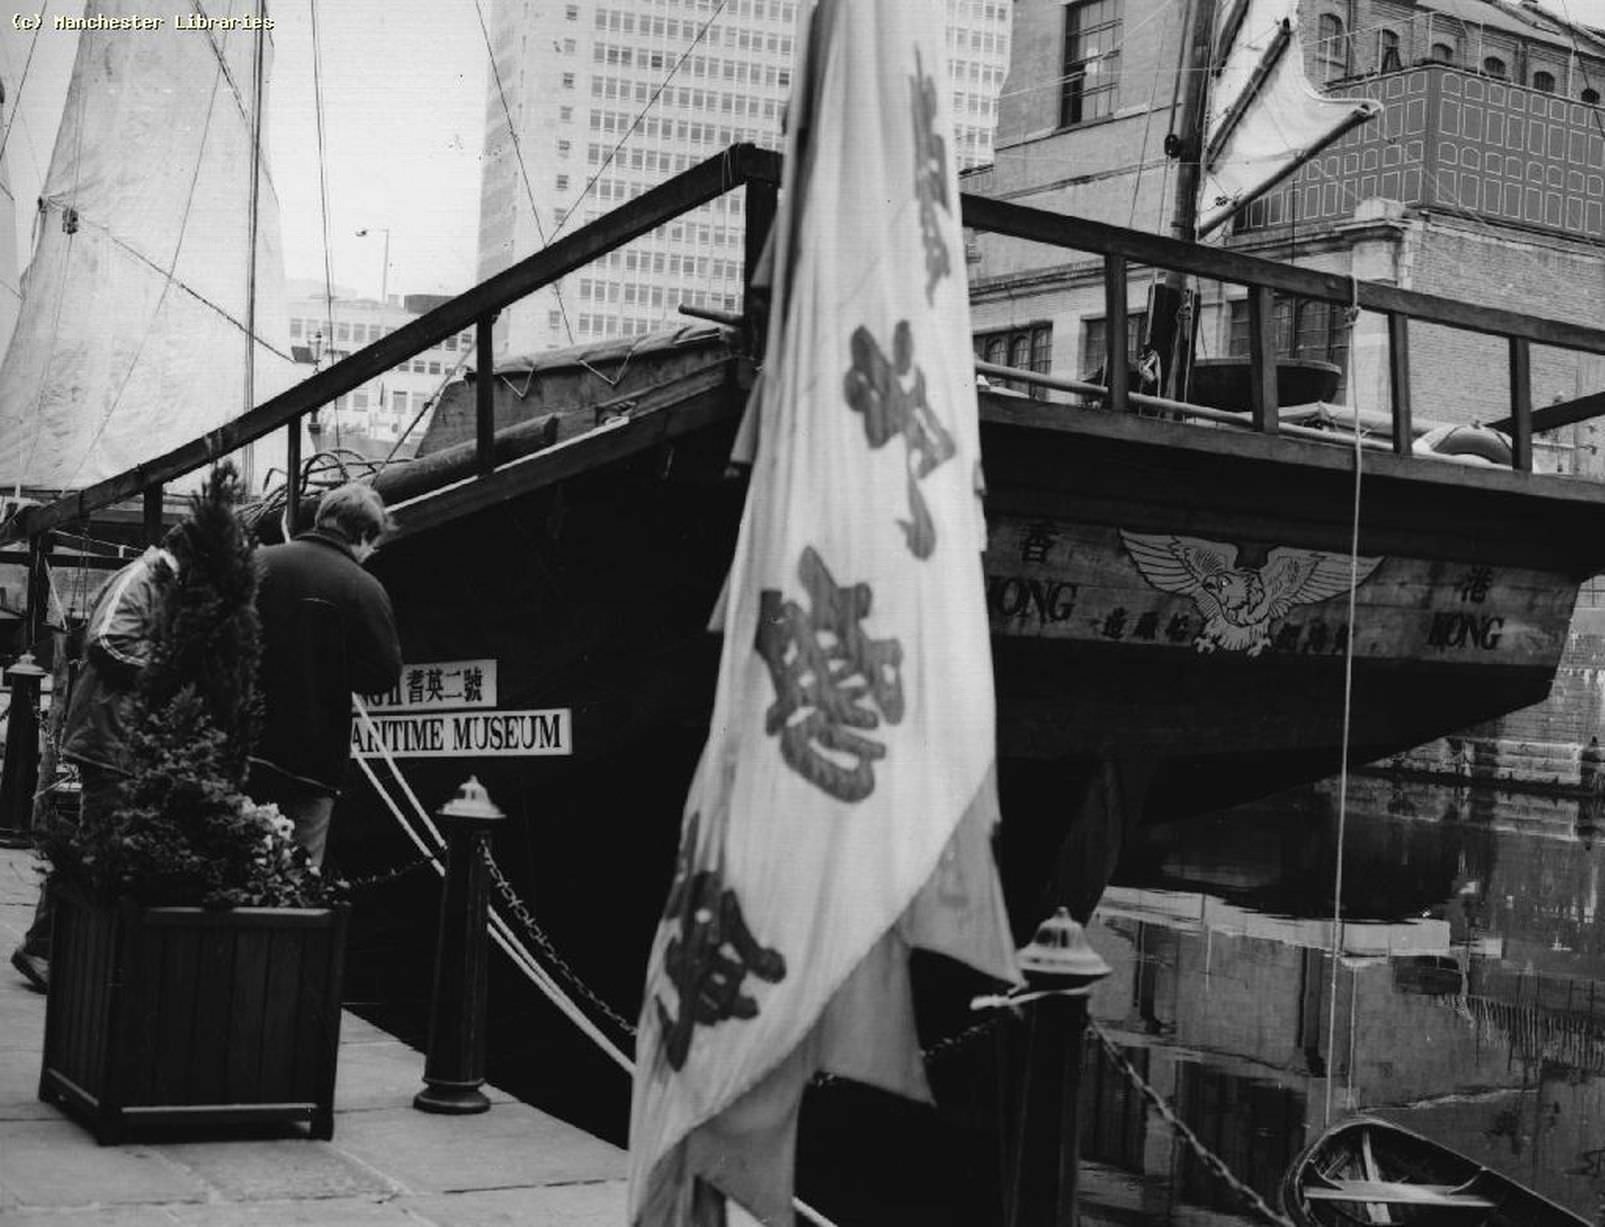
(1467, 1002)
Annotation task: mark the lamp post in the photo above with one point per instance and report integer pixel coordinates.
(384, 295)
(384, 273)
(20, 775)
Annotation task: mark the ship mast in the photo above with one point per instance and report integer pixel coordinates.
(1170, 331)
(258, 58)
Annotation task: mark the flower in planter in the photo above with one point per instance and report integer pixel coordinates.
(185, 833)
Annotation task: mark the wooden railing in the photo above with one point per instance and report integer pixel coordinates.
(758, 173)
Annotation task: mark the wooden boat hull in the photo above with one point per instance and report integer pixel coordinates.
(587, 572)
(1369, 1171)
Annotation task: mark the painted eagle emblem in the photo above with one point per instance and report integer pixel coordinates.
(1239, 604)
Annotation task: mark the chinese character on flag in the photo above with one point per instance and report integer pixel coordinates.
(843, 808)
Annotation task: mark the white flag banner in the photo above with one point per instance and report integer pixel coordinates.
(843, 808)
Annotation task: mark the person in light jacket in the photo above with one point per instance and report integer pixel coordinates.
(118, 640)
(327, 631)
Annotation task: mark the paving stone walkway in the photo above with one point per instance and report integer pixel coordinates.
(388, 1165)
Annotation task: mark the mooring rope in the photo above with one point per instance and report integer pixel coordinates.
(1351, 315)
(1213, 1162)
(501, 932)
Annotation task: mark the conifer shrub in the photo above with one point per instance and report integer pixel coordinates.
(185, 833)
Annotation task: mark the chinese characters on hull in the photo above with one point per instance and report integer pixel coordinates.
(710, 956)
(833, 683)
(890, 394)
(1240, 605)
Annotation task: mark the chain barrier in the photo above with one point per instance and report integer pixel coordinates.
(526, 920)
(1211, 1161)
(387, 876)
(948, 1045)
(522, 914)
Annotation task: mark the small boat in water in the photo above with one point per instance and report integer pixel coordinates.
(1369, 1171)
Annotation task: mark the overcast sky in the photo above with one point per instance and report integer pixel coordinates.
(404, 104)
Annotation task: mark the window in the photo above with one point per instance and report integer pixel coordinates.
(568, 80)
(295, 327)
(1303, 329)
(1029, 348)
(1095, 340)
(562, 183)
(1590, 96)
(1494, 67)
(565, 114)
(1331, 48)
(571, 12)
(1091, 61)
(398, 402)
(1544, 82)
(1388, 52)
(1443, 53)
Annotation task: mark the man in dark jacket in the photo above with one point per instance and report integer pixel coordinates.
(327, 630)
(118, 639)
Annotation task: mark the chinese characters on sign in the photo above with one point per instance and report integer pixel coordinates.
(440, 685)
(831, 680)
(439, 711)
(1240, 605)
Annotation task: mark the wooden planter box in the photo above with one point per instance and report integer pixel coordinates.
(180, 1015)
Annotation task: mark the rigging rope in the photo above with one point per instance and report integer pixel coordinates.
(1348, 708)
(22, 81)
(650, 102)
(1207, 1157)
(518, 154)
(323, 188)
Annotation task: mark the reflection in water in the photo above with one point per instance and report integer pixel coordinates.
(1468, 1002)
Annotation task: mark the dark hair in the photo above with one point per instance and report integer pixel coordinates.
(354, 511)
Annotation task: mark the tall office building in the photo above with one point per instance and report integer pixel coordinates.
(591, 103)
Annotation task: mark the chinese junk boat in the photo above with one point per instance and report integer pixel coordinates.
(1369, 1171)
(1169, 597)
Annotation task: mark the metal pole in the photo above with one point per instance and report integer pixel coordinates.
(454, 1068)
(19, 778)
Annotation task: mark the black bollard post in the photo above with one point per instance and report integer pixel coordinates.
(1047, 1138)
(20, 776)
(454, 1068)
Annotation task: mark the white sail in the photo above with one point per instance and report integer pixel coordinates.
(1265, 119)
(10, 290)
(131, 338)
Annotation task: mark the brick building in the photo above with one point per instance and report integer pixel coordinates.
(1482, 178)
